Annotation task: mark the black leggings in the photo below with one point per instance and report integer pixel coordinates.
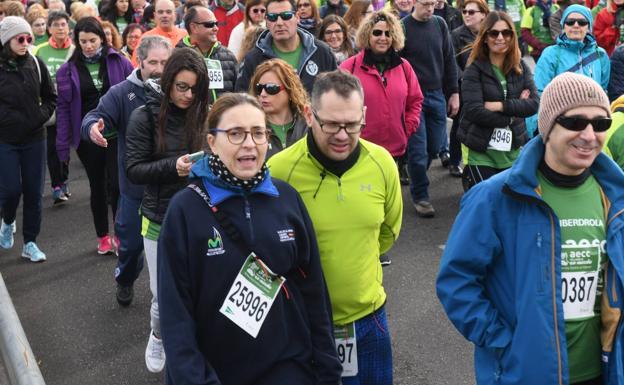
(475, 174)
(101, 167)
(59, 171)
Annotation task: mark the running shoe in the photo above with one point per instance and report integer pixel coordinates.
(58, 196)
(105, 245)
(32, 252)
(6, 235)
(65, 189)
(125, 294)
(154, 354)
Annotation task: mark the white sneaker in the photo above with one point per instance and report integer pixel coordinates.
(154, 354)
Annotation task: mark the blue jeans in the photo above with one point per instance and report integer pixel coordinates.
(374, 351)
(423, 146)
(23, 173)
(128, 230)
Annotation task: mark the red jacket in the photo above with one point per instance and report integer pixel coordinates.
(607, 35)
(227, 20)
(393, 110)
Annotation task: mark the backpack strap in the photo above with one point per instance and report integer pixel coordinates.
(38, 66)
(586, 60)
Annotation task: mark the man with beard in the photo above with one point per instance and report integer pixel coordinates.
(113, 112)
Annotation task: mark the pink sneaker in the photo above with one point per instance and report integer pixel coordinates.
(105, 245)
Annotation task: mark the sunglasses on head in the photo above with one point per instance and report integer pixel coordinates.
(493, 33)
(23, 39)
(580, 22)
(258, 10)
(575, 123)
(207, 24)
(286, 15)
(270, 88)
(470, 12)
(379, 32)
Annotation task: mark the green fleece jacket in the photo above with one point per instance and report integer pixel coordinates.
(356, 217)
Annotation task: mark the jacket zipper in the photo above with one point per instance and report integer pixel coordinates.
(248, 218)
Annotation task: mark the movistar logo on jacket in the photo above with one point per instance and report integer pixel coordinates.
(215, 244)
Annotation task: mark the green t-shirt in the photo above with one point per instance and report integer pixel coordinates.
(281, 131)
(293, 58)
(121, 24)
(514, 8)
(492, 158)
(94, 70)
(41, 39)
(583, 238)
(149, 229)
(533, 20)
(53, 58)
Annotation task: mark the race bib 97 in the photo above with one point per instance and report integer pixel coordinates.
(251, 296)
(346, 345)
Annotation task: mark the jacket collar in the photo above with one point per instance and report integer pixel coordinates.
(265, 44)
(186, 40)
(522, 177)
(575, 45)
(66, 44)
(219, 191)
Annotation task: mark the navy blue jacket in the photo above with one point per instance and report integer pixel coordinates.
(295, 344)
(616, 81)
(115, 108)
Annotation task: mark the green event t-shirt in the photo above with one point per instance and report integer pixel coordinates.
(281, 131)
(121, 24)
(514, 8)
(583, 256)
(41, 39)
(94, 70)
(492, 158)
(53, 58)
(293, 58)
(616, 145)
(532, 20)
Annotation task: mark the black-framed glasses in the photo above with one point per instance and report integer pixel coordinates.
(494, 33)
(379, 32)
(23, 39)
(335, 127)
(329, 32)
(286, 15)
(183, 87)
(207, 24)
(581, 22)
(258, 10)
(259, 135)
(270, 88)
(470, 11)
(577, 123)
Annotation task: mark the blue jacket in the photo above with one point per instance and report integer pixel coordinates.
(198, 261)
(616, 83)
(565, 55)
(115, 108)
(500, 276)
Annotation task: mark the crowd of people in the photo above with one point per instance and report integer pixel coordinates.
(252, 154)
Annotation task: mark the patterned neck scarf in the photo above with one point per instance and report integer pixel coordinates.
(221, 172)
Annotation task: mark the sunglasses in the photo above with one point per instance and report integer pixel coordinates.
(574, 123)
(470, 12)
(258, 10)
(493, 34)
(270, 88)
(286, 15)
(379, 32)
(207, 24)
(580, 22)
(23, 39)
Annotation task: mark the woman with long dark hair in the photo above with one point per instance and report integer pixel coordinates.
(92, 69)
(497, 93)
(309, 18)
(130, 39)
(118, 13)
(160, 137)
(334, 32)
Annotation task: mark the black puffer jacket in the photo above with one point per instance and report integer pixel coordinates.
(229, 66)
(145, 163)
(462, 37)
(481, 85)
(25, 102)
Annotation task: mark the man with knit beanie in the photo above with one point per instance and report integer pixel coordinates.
(531, 270)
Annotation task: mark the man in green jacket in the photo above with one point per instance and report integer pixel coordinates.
(351, 190)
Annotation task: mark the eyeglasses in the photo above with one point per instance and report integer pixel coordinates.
(286, 15)
(329, 32)
(379, 32)
(575, 123)
(207, 24)
(493, 33)
(335, 127)
(239, 136)
(163, 11)
(23, 39)
(580, 22)
(258, 10)
(303, 5)
(270, 88)
(428, 4)
(470, 12)
(183, 87)
(59, 25)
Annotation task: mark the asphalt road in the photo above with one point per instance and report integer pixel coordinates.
(81, 336)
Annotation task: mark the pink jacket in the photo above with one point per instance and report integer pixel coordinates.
(393, 109)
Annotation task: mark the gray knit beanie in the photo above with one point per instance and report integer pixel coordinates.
(565, 92)
(12, 26)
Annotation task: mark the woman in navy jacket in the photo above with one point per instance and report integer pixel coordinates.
(231, 211)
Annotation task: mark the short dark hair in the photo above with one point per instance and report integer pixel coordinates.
(57, 15)
(91, 25)
(190, 16)
(292, 3)
(342, 83)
